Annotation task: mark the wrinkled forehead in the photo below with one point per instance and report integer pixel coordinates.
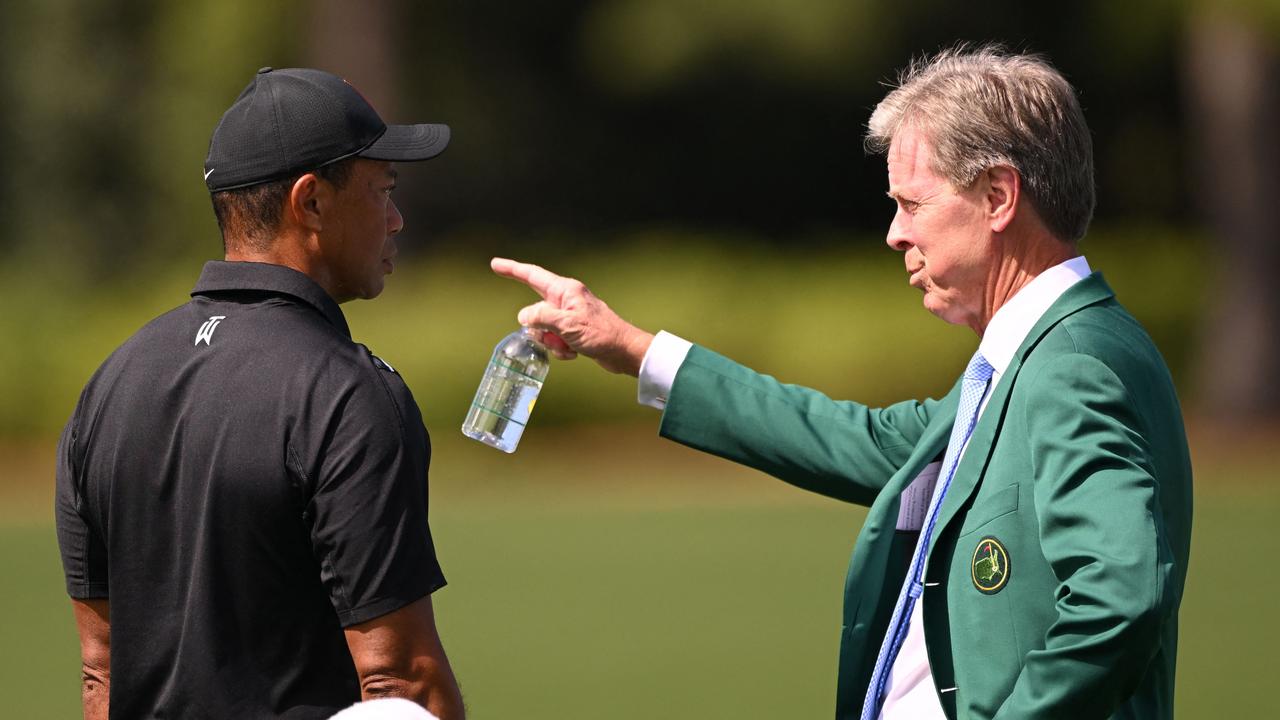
(910, 155)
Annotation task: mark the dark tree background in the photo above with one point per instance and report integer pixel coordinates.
(578, 120)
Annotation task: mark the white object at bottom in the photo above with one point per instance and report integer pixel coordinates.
(385, 709)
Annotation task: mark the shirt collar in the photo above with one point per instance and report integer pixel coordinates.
(222, 276)
(1011, 323)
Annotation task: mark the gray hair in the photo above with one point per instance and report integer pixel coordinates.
(984, 107)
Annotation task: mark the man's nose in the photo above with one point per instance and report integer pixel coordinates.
(395, 221)
(897, 237)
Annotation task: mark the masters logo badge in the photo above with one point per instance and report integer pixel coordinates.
(990, 566)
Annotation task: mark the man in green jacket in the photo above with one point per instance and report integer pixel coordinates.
(1027, 541)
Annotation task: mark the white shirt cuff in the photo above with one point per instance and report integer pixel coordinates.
(658, 369)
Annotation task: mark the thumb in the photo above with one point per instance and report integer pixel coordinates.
(547, 317)
(542, 314)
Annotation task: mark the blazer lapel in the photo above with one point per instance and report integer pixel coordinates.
(974, 462)
(973, 465)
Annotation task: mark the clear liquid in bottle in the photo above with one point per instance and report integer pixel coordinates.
(508, 391)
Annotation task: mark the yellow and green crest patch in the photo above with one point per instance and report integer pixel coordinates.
(990, 566)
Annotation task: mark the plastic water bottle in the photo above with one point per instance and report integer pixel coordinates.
(508, 391)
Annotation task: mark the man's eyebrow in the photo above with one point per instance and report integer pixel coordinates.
(392, 173)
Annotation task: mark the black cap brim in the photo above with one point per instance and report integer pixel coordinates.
(407, 143)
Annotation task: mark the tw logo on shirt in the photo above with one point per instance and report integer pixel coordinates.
(206, 330)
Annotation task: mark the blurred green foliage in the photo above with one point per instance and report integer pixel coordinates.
(699, 164)
(111, 108)
(594, 115)
(644, 46)
(841, 319)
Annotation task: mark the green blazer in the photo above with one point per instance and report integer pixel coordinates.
(1057, 568)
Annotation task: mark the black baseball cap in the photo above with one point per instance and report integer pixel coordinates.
(297, 119)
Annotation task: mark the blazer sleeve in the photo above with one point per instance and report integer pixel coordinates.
(1101, 531)
(840, 449)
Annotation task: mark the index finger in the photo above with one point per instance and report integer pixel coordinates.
(534, 276)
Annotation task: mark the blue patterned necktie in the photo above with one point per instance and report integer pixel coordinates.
(976, 378)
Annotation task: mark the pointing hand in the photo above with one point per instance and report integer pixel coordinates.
(576, 321)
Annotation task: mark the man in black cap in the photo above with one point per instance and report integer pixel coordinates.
(242, 489)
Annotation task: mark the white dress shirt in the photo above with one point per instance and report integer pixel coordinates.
(910, 689)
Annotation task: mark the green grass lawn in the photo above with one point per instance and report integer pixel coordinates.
(610, 574)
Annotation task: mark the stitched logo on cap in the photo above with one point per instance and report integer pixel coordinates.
(990, 566)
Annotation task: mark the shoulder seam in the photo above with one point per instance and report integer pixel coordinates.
(386, 389)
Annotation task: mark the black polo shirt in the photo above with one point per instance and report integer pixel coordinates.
(243, 481)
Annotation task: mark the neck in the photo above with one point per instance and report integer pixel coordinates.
(288, 250)
(1023, 260)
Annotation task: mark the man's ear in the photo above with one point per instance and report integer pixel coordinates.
(308, 202)
(1004, 190)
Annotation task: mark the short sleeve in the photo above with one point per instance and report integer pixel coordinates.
(84, 553)
(369, 508)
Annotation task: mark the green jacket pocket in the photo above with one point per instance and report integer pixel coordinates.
(990, 508)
